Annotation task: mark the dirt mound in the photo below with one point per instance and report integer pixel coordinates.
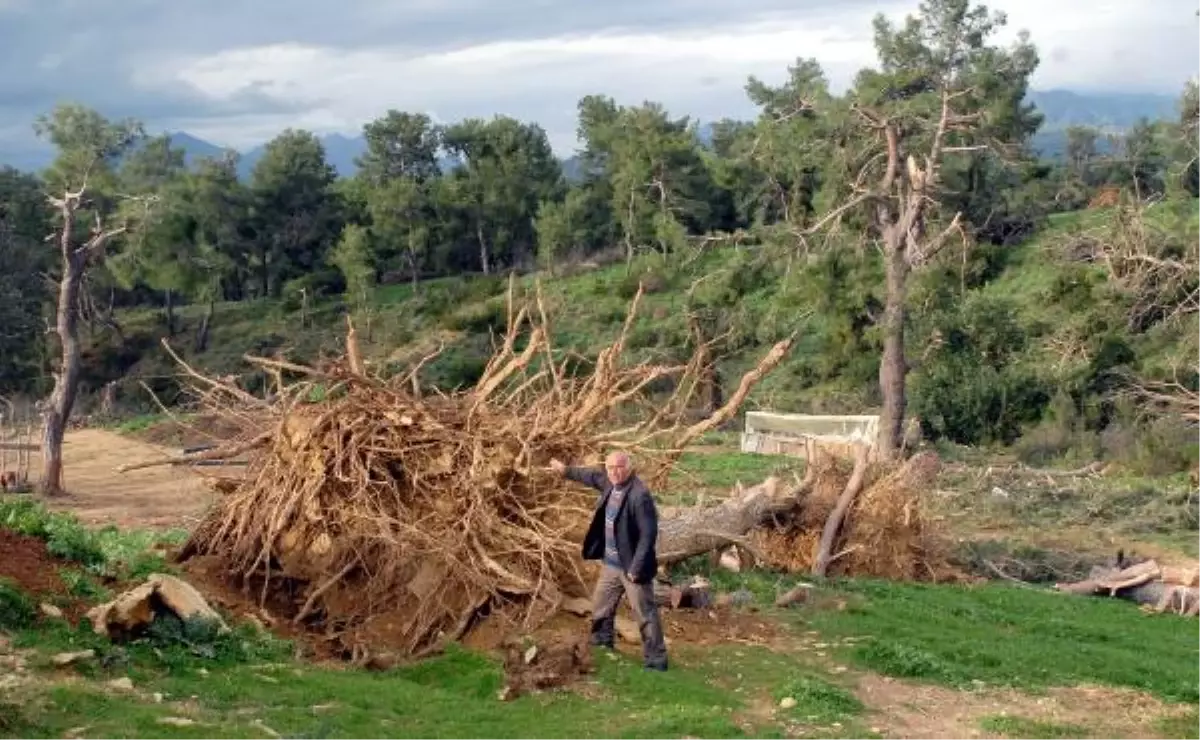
(29, 565)
(26, 563)
(533, 666)
(393, 519)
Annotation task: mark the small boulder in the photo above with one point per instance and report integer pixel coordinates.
(65, 659)
(50, 611)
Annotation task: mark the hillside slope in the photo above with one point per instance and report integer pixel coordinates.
(997, 337)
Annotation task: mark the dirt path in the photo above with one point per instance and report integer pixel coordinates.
(900, 709)
(157, 498)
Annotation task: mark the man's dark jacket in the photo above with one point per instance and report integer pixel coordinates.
(636, 525)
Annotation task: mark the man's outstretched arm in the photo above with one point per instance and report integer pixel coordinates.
(593, 477)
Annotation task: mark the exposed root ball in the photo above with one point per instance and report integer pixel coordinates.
(884, 535)
(391, 516)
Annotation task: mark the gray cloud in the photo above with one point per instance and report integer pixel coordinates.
(91, 51)
(101, 53)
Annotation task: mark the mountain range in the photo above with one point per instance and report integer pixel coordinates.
(1111, 112)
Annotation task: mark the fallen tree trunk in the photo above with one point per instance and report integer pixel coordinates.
(1142, 584)
(703, 530)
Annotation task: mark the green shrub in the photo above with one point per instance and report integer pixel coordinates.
(16, 609)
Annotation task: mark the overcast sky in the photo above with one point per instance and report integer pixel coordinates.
(236, 72)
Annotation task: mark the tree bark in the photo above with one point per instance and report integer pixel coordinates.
(483, 249)
(1142, 584)
(833, 525)
(58, 407)
(701, 530)
(893, 367)
(169, 301)
(201, 342)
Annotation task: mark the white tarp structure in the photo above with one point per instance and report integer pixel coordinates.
(770, 433)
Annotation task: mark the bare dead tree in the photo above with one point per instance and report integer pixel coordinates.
(76, 251)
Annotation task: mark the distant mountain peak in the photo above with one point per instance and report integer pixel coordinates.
(1060, 108)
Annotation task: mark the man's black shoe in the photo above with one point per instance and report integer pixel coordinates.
(656, 667)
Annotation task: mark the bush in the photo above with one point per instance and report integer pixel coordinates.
(16, 609)
(970, 389)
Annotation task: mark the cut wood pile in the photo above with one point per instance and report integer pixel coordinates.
(392, 518)
(1156, 588)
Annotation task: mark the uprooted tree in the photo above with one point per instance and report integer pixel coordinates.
(88, 219)
(392, 516)
(388, 508)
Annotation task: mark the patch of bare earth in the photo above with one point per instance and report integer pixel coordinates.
(901, 709)
(156, 498)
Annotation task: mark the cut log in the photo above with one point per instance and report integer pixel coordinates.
(1140, 584)
(701, 530)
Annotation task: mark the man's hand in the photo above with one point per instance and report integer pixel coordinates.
(558, 466)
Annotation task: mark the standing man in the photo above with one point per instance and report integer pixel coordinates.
(622, 535)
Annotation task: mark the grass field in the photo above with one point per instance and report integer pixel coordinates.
(997, 659)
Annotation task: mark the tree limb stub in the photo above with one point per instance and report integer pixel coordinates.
(217, 453)
(833, 524)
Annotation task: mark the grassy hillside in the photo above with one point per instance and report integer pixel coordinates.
(1054, 321)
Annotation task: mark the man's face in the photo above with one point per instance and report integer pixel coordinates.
(617, 468)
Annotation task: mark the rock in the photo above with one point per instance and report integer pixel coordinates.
(65, 659)
(787, 702)
(176, 721)
(741, 597)
(578, 606)
(180, 597)
(50, 610)
(129, 611)
(124, 683)
(135, 609)
(628, 631)
(797, 595)
(157, 696)
(731, 560)
(530, 654)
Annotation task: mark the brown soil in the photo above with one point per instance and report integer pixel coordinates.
(207, 576)
(907, 710)
(698, 627)
(26, 562)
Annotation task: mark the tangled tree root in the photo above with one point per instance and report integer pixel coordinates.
(386, 515)
(861, 522)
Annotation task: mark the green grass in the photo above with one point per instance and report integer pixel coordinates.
(719, 472)
(453, 695)
(1011, 636)
(1009, 726)
(108, 551)
(1184, 726)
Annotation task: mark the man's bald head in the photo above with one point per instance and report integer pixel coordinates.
(619, 466)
